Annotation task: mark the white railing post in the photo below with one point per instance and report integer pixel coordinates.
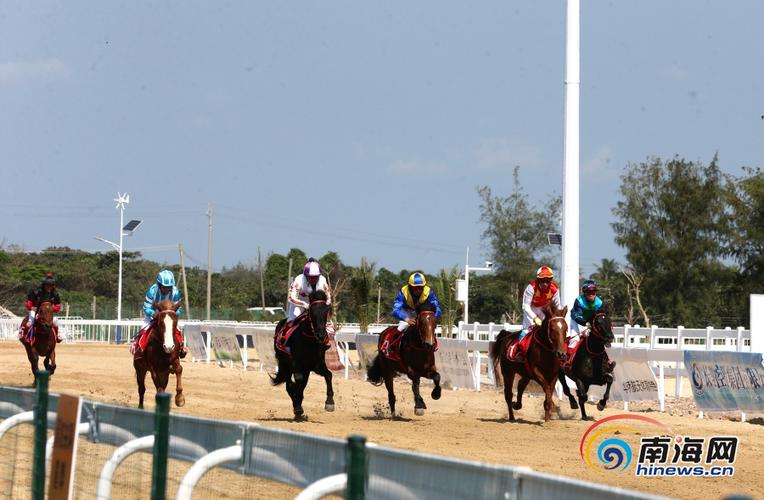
(661, 388)
(491, 326)
(626, 336)
(476, 357)
(652, 336)
(708, 337)
(679, 364)
(740, 339)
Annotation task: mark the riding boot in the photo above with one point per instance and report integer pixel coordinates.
(610, 366)
(182, 351)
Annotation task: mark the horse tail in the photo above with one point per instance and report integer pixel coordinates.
(282, 375)
(375, 373)
(497, 350)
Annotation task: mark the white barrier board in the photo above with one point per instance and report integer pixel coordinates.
(452, 360)
(225, 345)
(195, 341)
(264, 348)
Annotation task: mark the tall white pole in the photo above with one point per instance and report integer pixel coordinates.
(467, 287)
(570, 182)
(209, 259)
(119, 282)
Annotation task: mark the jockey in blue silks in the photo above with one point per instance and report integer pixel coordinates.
(584, 308)
(415, 293)
(163, 289)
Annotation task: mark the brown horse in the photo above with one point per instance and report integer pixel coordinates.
(160, 357)
(546, 350)
(417, 359)
(44, 340)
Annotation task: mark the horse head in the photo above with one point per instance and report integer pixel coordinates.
(425, 324)
(166, 323)
(318, 312)
(556, 330)
(602, 329)
(45, 315)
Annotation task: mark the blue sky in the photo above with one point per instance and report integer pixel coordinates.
(351, 126)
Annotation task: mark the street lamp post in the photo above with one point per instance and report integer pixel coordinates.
(467, 268)
(124, 230)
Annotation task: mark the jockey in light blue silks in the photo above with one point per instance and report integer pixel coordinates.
(584, 308)
(415, 293)
(163, 289)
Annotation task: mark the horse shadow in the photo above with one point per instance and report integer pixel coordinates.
(504, 420)
(395, 418)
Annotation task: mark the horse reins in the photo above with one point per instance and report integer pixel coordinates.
(549, 348)
(310, 320)
(594, 331)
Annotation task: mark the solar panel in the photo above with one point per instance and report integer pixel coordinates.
(554, 238)
(130, 226)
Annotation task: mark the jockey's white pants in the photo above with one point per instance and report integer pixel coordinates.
(402, 325)
(576, 331)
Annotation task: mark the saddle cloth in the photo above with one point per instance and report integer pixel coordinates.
(517, 349)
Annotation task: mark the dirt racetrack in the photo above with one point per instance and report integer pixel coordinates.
(465, 424)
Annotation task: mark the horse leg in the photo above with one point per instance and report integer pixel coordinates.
(419, 406)
(521, 385)
(302, 382)
(509, 380)
(582, 390)
(603, 402)
(33, 358)
(180, 400)
(140, 376)
(549, 405)
(564, 382)
(436, 390)
(390, 390)
(52, 361)
(327, 374)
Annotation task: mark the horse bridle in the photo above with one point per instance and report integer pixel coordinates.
(550, 347)
(597, 334)
(310, 319)
(422, 346)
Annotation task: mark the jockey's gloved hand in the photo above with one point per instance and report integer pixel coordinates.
(588, 325)
(537, 320)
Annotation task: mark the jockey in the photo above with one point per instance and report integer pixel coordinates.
(303, 285)
(415, 293)
(46, 293)
(163, 289)
(537, 294)
(585, 307)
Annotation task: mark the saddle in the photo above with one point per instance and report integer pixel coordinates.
(390, 343)
(517, 349)
(28, 336)
(283, 334)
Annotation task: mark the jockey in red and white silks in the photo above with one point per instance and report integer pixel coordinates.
(303, 285)
(537, 294)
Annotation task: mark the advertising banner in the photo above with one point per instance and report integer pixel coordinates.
(724, 381)
(452, 359)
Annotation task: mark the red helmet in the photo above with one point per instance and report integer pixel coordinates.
(544, 272)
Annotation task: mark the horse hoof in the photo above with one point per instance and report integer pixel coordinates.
(436, 393)
(517, 406)
(329, 407)
(180, 400)
(418, 412)
(573, 405)
(600, 406)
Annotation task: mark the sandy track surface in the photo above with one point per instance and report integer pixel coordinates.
(465, 424)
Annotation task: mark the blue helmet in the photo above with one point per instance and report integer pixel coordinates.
(589, 286)
(165, 278)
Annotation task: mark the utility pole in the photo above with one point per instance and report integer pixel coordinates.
(379, 299)
(209, 259)
(289, 282)
(262, 283)
(183, 277)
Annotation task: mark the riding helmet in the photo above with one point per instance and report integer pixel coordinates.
(165, 278)
(417, 279)
(544, 272)
(589, 286)
(311, 269)
(49, 279)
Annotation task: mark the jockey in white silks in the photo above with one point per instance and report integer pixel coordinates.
(537, 294)
(303, 285)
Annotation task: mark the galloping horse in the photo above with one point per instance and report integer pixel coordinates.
(416, 358)
(588, 365)
(300, 347)
(160, 357)
(43, 343)
(545, 351)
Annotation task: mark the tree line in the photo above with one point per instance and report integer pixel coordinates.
(693, 235)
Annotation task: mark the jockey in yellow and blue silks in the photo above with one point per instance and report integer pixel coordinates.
(415, 293)
(584, 308)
